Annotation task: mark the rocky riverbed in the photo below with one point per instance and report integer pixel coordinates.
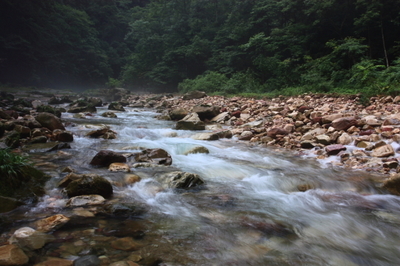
(338, 132)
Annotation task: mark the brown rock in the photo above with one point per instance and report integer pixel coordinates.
(125, 243)
(12, 255)
(55, 262)
(383, 151)
(51, 223)
(276, 132)
(107, 157)
(393, 185)
(157, 156)
(344, 123)
(119, 167)
(334, 149)
(49, 121)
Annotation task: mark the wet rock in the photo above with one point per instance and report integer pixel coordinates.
(55, 262)
(154, 156)
(194, 95)
(89, 185)
(99, 132)
(117, 106)
(125, 243)
(89, 260)
(49, 121)
(307, 144)
(85, 200)
(45, 147)
(107, 157)
(71, 177)
(119, 167)
(393, 185)
(224, 134)
(190, 122)
(197, 149)
(178, 113)
(383, 151)
(8, 204)
(95, 101)
(334, 149)
(131, 179)
(124, 263)
(206, 111)
(29, 238)
(49, 109)
(246, 135)
(38, 139)
(182, 180)
(63, 135)
(12, 255)
(344, 123)
(109, 114)
(23, 131)
(206, 136)
(51, 223)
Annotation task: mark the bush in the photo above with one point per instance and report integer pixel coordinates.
(12, 168)
(208, 82)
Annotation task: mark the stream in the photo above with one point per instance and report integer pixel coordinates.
(259, 206)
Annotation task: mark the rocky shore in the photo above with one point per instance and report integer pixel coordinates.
(339, 131)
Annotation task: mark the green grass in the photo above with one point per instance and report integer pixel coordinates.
(12, 168)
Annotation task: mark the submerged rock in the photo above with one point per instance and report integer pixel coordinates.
(12, 255)
(182, 180)
(89, 185)
(155, 156)
(85, 200)
(51, 223)
(107, 157)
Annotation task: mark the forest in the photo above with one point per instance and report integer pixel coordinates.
(217, 46)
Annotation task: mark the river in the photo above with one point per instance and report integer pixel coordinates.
(259, 206)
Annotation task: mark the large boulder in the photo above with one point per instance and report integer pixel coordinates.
(191, 122)
(90, 185)
(49, 121)
(180, 179)
(206, 111)
(194, 95)
(117, 106)
(107, 157)
(154, 156)
(178, 113)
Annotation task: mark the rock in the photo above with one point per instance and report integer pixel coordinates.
(12, 255)
(334, 149)
(89, 260)
(45, 147)
(63, 135)
(99, 132)
(182, 180)
(197, 149)
(119, 167)
(326, 119)
(206, 136)
(276, 132)
(383, 151)
(49, 121)
(85, 200)
(124, 263)
(131, 179)
(194, 95)
(323, 139)
(393, 185)
(206, 111)
(49, 109)
(190, 122)
(55, 262)
(344, 123)
(38, 139)
(89, 185)
(8, 204)
(221, 118)
(29, 238)
(125, 243)
(95, 101)
(107, 157)
(23, 131)
(178, 113)
(154, 156)
(224, 134)
(117, 106)
(344, 139)
(109, 114)
(246, 135)
(307, 144)
(51, 223)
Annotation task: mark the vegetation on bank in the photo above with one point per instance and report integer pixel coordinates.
(222, 46)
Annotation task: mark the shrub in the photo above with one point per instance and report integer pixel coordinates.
(12, 168)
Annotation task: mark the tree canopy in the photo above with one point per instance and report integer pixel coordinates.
(229, 46)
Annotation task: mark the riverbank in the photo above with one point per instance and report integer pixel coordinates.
(338, 131)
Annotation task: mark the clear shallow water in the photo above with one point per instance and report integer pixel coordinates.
(250, 212)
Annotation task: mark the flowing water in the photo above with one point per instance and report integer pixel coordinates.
(250, 212)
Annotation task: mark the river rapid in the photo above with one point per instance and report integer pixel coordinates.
(259, 206)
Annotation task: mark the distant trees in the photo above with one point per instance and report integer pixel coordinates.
(226, 45)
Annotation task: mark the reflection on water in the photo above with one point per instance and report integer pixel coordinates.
(258, 207)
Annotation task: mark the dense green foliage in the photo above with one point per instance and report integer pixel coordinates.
(229, 46)
(11, 169)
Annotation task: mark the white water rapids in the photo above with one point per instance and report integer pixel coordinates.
(250, 212)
